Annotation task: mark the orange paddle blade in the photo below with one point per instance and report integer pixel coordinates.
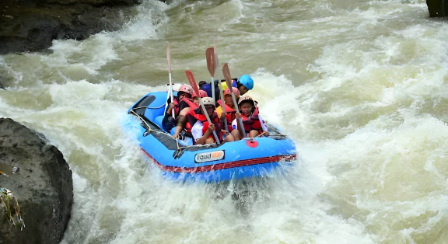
(211, 61)
(192, 81)
(226, 73)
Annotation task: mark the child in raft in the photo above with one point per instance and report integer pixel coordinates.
(253, 124)
(229, 107)
(202, 131)
(181, 104)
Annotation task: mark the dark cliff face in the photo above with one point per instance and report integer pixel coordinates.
(42, 184)
(31, 25)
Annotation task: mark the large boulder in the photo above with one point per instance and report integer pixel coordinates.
(437, 8)
(40, 180)
(31, 25)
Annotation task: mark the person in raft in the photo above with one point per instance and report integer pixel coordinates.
(202, 94)
(181, 104)
(229, 107)
(202, 131)
(244, 84)
(253, 124)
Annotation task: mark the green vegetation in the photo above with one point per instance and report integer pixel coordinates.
(12, 207)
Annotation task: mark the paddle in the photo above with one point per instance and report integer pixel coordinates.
(226, 73)
(170, 91)
(196, 89)
(212, 63)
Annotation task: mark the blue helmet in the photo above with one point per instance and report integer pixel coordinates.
(247, 81)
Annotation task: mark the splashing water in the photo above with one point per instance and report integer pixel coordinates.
(359, 85)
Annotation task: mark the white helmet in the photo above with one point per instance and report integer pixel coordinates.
(208, 101)
(246, 98)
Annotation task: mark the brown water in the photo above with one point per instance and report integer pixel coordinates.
(361, 86)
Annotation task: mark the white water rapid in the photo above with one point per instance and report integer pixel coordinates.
(360, 86)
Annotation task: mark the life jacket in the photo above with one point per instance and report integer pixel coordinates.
(196, 114)
(185, 102)
(178, 106)
(230, 115)
(252, 122)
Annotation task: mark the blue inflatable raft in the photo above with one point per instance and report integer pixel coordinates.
(246, 158)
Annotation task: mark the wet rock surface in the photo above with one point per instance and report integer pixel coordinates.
(41, 181)
(31, 25)
(437, 8)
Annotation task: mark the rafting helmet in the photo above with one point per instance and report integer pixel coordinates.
(246, 98)
(185, 89)
(247, 81)
(208, 101)
(202, 93)
(235, 91)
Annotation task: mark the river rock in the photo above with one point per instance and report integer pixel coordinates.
(42, 184)
(32, 25)
(437, 8)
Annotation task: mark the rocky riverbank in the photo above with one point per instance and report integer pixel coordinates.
(41, 181)
(31, 25)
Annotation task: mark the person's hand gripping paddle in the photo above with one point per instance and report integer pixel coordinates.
(196, 90)
(226, 73)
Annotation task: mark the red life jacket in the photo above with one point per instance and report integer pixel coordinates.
(196, 114)
(185, 102)
(230, 115)
(252, 122)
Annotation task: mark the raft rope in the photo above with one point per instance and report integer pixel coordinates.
(148, 130)
(180, 149)
(150, 107)
(278, 135)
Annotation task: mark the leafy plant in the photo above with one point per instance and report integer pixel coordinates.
(12, 207)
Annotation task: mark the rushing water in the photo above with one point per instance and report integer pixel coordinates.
(361, 87)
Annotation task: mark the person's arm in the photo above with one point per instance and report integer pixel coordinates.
(222, 120)
(181, 121)
(170, 109)
(207, 133)
(238, 126)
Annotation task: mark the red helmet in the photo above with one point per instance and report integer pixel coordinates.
(246, 98)
(202, 93)
(235, 91)
(186, 89)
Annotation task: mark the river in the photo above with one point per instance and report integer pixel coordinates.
(360, 86)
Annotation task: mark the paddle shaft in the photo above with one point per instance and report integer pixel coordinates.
(208, 120)
(226, 72)
(215, 54)
(170, 91)
(212, 63)
(196, 89)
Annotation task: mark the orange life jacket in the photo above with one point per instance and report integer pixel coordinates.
(230, 115)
